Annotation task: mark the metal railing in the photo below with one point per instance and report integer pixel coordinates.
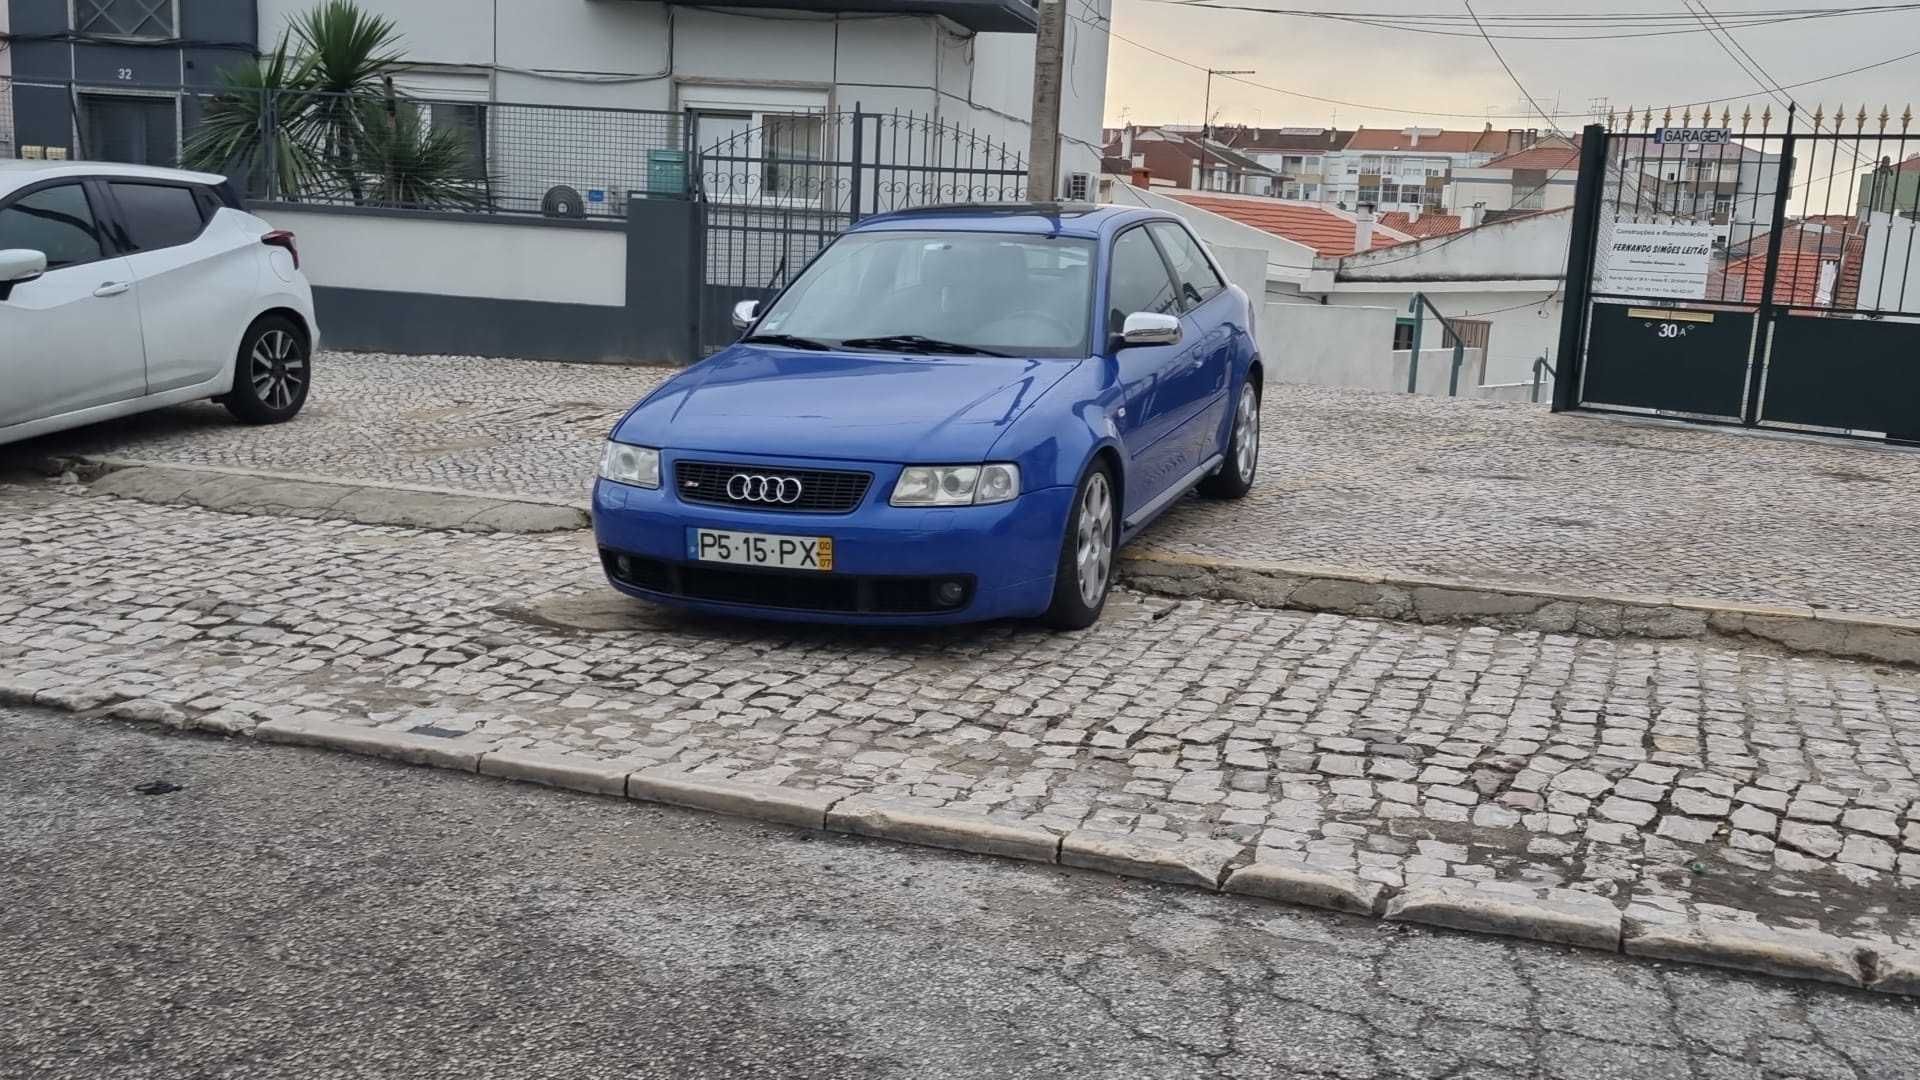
(386, 149)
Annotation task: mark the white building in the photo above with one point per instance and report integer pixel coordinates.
(1538, 178)
(770, 66)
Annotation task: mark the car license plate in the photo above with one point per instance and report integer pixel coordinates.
(761, 549)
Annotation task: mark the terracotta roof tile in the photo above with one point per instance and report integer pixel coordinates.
(1324, 231)
(1430, 224)
(1444, 142)
(1538, 157)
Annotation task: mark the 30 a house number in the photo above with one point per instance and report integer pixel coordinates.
(1671, 330)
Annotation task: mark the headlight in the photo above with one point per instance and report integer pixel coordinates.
(956, 485)
(636, 465)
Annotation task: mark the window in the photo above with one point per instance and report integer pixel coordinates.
(1137, 280)
(1199, 282)
(1403, 335)
(147, 19)
(55, 221)
(1023, 295)
(791, 142)
(156, 215)
(137, 130)
(470, 122)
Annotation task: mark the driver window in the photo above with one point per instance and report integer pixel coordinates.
(1137, 280)
(55, 221)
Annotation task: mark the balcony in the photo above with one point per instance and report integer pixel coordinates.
(980, 16)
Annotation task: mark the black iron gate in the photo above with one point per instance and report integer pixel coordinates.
(1741, 275)
(775, 189)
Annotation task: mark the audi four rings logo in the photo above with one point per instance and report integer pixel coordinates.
(751, 487)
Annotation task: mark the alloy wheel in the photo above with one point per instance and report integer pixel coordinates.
(1246, 434)
(278, 370)
(1093, 549)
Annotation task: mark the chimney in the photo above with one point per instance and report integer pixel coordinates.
(1363, 229)
(1413, 215)
(1126, 142)
(1142, 176)
(1472, 216)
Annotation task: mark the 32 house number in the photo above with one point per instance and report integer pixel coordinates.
(125, 74)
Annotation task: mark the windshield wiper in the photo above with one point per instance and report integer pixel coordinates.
(918, 343)
(790, 340)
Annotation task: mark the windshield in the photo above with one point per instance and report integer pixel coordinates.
(1012, 293)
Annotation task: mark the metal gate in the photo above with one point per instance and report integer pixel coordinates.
(1747, 275)
(776, 189)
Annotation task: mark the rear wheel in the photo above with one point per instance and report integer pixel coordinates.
(1234, 478)
(1085, 573)
(272, 373)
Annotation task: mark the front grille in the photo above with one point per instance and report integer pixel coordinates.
(822, 491)
(847, 594)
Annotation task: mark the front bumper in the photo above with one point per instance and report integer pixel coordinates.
(887, 562)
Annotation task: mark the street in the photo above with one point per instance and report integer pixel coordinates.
(292, 913)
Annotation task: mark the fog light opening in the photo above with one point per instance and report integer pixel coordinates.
(950, 593)
(623, 566)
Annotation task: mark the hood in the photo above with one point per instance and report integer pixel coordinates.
(751, 399)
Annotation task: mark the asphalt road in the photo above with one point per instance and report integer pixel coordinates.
(291, 913)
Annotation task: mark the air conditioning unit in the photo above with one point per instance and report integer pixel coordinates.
(1079, 187)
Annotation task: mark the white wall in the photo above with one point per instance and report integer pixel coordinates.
(1890, 279)
(471, 257)
(1329, 346)
(1516, 337)
(628, 54)
(1245, 267)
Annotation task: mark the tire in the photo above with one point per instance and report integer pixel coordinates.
(1077, 601)
(271, 375)
(1235, 476)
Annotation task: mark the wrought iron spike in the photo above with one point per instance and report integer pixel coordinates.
(1667, 119)
(1906, 118)
(1746, 117)
(1726, 117)
(1884, 117)
(1686, 118)
(1819, 116)
(1646, 119)
(1766, 118)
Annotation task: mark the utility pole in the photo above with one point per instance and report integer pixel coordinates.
(1043, 147)
(1206, 119)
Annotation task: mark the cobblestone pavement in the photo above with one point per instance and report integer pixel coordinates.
(1482, 491)
(303, 915)
(1677, 780)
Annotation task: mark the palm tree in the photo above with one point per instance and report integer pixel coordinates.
(312, 120)
(420, 167)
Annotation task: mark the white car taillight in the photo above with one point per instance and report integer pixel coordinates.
(281, 238)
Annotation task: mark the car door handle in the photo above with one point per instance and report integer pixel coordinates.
(112, 288)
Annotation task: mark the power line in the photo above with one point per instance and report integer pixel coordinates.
(1184, 62)
(1589, 27)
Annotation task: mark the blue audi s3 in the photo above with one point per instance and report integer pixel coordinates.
(952, 414)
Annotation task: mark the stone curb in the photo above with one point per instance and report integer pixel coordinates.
(1345, 591)
(320, 498)
(865, 815)
(1595, 925)
(762, 802)
(1790, 954)
(1198, 863)
(1567, 920)
(574, 774)
(402, 746)
(1306, 887)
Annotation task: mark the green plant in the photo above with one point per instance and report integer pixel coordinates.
(317, 119)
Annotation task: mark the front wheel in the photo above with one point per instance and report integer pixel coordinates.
(1085, 573)
(1234, 478)
(271, 374)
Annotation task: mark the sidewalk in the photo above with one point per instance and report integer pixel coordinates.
(1673, 800)
(1355, 483)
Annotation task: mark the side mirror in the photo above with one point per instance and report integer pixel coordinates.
(744, 313)
(19, 265)
(1150, 328)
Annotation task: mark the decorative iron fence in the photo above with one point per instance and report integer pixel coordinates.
(379, 150)
(1759, 272)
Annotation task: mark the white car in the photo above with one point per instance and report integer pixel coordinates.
(125, 288)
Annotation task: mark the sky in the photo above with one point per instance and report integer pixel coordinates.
(1406, 71)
